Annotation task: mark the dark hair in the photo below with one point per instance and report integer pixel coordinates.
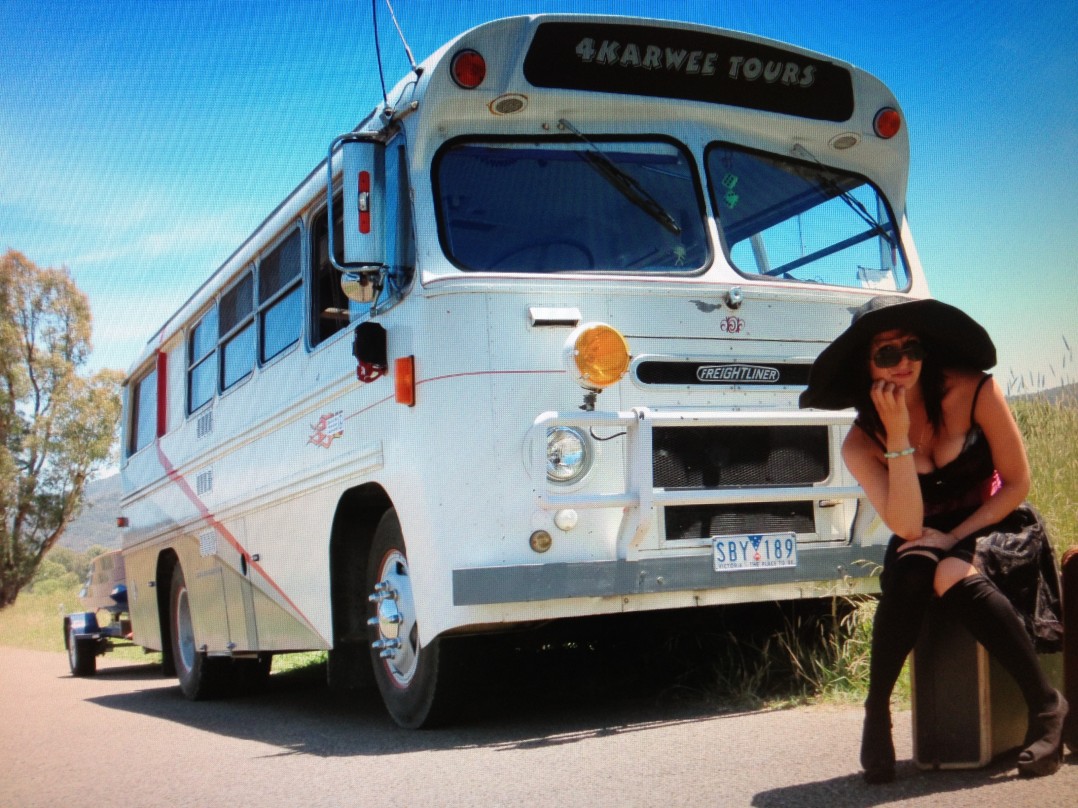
(932, 389)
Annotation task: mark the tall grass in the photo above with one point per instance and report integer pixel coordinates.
(1050, 430)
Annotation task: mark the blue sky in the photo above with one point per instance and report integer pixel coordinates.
(140, 142)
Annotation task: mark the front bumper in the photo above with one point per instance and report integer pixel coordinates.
(538, 582)
(638, 569)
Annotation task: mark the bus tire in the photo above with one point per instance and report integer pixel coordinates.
(418, 682)
(81, 654)
(201, 676)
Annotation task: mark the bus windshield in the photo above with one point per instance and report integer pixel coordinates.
(802, 221)
(565, 206)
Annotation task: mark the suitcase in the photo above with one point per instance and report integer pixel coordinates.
(1069, 565)
(966, 708)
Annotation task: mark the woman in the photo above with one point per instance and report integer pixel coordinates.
(940, 457)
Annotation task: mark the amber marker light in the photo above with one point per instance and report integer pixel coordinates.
(404, 380)
(597, 355)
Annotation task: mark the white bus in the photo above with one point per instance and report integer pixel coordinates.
(535, 356)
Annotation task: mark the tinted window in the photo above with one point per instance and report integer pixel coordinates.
(281, 323)
(236, 304)
(202, 361)
(279, 296)
(235, 315)
(143, 402)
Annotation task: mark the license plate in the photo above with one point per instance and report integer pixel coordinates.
(754, 551)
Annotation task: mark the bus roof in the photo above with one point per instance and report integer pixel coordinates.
(545, 60)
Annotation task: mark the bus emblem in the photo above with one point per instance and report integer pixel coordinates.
(733, 374)
(329, 427)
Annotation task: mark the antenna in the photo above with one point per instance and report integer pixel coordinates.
(378, 50)
(400, 33)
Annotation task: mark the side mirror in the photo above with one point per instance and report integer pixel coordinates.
(361, 287)
(363, 177)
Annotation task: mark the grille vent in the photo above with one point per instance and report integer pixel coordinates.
(204, 482)
(705, 521)
(204, 424)
(729, 457)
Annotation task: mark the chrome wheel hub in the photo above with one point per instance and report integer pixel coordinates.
(398, 636)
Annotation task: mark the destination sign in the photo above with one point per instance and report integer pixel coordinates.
(691, 65)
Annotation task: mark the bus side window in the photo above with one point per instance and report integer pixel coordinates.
(236, 324)
(202, 361)
(329, 306)
(280, 297)
(142, 403)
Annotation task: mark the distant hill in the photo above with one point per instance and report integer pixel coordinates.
(1066, 394)
(96, 523)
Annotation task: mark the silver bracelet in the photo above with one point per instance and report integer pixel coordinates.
(904, 453)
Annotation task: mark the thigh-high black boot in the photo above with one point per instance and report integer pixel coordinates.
(907, 593)
(987, 614)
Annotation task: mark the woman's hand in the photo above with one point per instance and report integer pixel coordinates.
(931, 538)
(890, 401)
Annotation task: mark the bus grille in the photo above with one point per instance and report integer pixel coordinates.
(705, 521)
(737, 457)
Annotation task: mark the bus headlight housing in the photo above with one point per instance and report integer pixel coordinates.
(568, 454)
(596, 355)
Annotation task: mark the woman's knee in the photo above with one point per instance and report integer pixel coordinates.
(909, 574)
(949, 572)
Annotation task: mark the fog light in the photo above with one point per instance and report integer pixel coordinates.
(540, 541)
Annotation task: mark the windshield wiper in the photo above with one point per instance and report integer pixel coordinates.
(851, 201)
(625, 183)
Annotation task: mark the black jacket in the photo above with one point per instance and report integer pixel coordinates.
(1016, 554)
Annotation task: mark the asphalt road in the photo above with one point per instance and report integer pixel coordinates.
(127, 737)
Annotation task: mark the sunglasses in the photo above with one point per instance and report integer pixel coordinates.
(890, 355)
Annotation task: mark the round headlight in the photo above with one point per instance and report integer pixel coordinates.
(599, 354)
(567, 454)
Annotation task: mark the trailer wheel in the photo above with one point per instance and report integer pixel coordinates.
(201, 676)
(81, 654)
(418, 682)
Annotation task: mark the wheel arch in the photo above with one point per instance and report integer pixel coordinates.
(358, 513)
(167, 561)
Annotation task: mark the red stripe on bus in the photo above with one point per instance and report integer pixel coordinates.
(226, 534)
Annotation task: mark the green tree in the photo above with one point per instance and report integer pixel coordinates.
(56, 427)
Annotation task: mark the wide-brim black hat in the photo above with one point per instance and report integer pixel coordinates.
(954, 338)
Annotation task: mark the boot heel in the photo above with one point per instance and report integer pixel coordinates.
(877, 749)
(1045, 755)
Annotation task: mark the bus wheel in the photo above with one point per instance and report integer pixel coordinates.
(81, 654)
(201, 676)
(417, 682)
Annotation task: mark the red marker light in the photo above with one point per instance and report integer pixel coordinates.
(887, 123)
(364, 202)
(468, 69)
